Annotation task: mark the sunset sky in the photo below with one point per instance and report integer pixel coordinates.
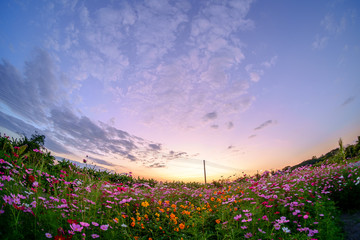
(156, 87)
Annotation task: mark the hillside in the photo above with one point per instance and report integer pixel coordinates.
(335, 155)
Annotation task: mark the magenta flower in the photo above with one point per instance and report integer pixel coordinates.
(76, 227)
(94, 236)
(104, 227)
(48, 235)
(248, 235)
(95, 224)
(237, 217)
(84, 224)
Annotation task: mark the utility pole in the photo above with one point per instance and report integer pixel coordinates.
(204, 171)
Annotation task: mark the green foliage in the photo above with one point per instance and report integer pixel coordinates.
(120, 178)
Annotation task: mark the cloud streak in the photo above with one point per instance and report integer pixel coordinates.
(265, 124)
(348, 101)
(37, 102)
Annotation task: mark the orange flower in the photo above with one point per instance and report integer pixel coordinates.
(176, 229)
(181, 226)
(217, 221)
(132, 224)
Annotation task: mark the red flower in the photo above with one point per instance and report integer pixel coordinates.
(31, 178)
(71, 221)
(59, 237)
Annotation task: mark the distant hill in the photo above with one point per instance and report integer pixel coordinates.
(335, 155)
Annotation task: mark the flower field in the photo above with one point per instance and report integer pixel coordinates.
(40, 200)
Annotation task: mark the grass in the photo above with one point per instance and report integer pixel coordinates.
(40, 200)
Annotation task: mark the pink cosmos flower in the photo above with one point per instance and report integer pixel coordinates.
(104, 227)
(237, 217)
(76, 227)
(248, 235)
(48, 235)
(84, 224)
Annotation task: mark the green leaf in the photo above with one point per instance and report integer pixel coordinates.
(22, 149)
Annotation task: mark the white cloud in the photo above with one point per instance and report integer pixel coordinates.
(271, 62)
(254, 77)
(165, 61)
(333, 25)
(320, 42)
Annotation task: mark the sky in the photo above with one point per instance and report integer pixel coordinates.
(156, 87)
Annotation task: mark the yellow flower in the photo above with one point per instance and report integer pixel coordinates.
(145, 204)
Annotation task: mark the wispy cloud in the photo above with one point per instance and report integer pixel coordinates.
(164, 63)
(320, 42)
(214, 126)
(229, 125)
(31, 94)
(40, 105)
(210, 116)
(252, 136)
(348, 100)
(265, 124)
(271, 62)
(333, 25)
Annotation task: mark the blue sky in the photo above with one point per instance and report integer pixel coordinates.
(155, 87)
